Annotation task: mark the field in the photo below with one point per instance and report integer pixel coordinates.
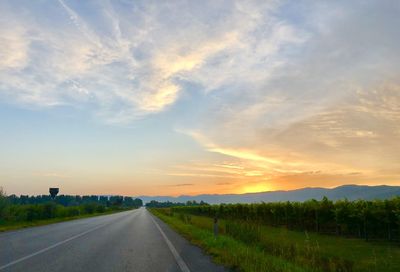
(249, 245)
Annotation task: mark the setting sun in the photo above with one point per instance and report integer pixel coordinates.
(254, 188)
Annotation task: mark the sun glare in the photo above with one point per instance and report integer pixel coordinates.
(254, 188)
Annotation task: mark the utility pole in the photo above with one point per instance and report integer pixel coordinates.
(215, 226)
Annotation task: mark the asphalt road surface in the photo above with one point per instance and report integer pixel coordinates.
(127, 241)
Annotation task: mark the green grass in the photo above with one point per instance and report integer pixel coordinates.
(310, 251)
(365, 256)
(26, 224)
(228, 251)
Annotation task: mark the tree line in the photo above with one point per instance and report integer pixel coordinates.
(75, 200)
(168, 204)
(31, 208)
(378, 219)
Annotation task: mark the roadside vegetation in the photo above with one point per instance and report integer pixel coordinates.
(25, 211)
(313, 236)
(168, 204)
(224, 249)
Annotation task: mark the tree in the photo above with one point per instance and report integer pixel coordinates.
(3, 204)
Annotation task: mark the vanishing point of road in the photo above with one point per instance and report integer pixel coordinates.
(127, 241)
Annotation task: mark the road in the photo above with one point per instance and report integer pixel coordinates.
(127, 241)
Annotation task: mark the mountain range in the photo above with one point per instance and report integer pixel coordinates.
(351, 192)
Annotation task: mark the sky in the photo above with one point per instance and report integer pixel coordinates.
(192, 97)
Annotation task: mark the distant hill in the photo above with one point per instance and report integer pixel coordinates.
(351, 192)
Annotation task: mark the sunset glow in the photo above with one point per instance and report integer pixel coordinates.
(256, 188)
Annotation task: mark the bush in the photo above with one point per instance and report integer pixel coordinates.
(49, 210)
(21, 213)
(100, 209)
(73, 211)
(90, 208)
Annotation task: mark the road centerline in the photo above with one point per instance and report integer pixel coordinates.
(54, 246)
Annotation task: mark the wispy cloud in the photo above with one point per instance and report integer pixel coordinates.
(181, 185)
(127, 60)
(331, 146)
(50, 175)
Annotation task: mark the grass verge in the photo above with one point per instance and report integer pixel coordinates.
(310, 251)
(228, 251)
(36, 223)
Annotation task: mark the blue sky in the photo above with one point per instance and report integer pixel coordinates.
(189, 97)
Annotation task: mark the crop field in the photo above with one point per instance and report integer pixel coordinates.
(323, 241)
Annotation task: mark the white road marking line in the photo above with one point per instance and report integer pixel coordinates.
(50, 247)
(53, 246)
(83, 220)
(181, 263)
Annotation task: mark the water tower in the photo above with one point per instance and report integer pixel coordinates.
(53, 192)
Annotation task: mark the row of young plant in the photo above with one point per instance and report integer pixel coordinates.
(378, 219)
(304, 253)
(167, 204)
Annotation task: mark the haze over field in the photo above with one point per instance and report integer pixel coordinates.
(198, 97)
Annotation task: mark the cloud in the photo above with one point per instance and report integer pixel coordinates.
(50, 175)
(355, 140)
(14, 49)
(201, 175)
(126, 60)
(355, 132)
(181, 184)
(271, 91)
(224, 183)
(331, 108)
